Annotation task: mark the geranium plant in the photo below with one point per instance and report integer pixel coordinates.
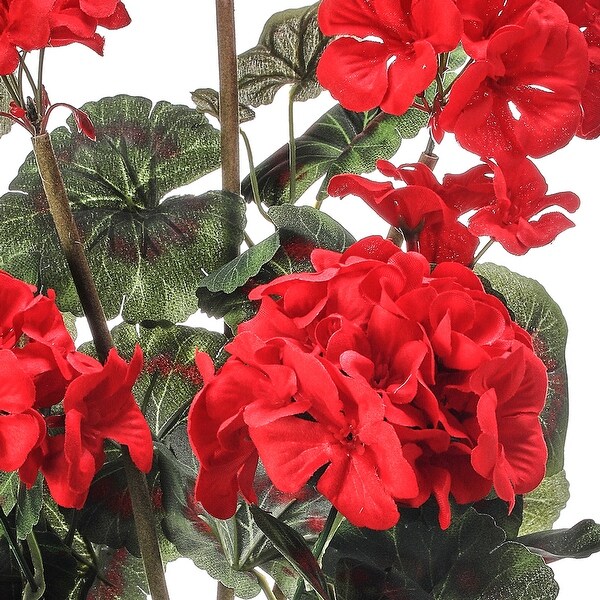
(368, 415)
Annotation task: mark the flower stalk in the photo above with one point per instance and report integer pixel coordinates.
(72, 246)
(228, 96)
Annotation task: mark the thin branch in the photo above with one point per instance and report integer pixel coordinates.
(224, 593)
(228, 97)
(72, 247)
(292, 146)
(264, 585)
(17, 552)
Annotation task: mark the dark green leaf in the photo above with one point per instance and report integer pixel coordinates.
(207, 101)
(417, 560)
(291, 546)
(498, 510)
(9, 490)
(312, 226)
(146, 253)
(542, 506)
(237, 272)
(125, 574)
(536, 312)
(35, 590)
(28, 508)
(287, 53)
(11, 584)
(341, 141)
(581, 541)
(300, 231)
(229, 550)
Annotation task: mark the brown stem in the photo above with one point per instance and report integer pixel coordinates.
(278, 593)
(224, 593)
(72, 246)
(228, 96)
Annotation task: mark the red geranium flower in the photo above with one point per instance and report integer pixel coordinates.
(520, 196)
(98, 405)
(390, 381)
(426, 211)
(523, 92)
(23, 24)
(22, 428)
(387, 52)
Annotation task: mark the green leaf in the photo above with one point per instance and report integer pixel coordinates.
(125, 574)
(5, 124)
(207, 101)
(9, 490)
(147, 253)
(229, 550)
(292, 547)
(10, 576)
(300, 229)
(237, 272)
(35, 590)
(341, 141)
(417, 560)
(542, 506)
(287, 53)
(498, 510)
(581, 541)
(535, 311)
(312, 226)
(28, 508)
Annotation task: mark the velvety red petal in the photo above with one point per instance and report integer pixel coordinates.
(355, 73)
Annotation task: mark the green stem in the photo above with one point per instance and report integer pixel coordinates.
(334, 518)
(292, 154)
(253, 178)
(17, 552)
(11, 89)
(264, 585)
(228, 96)
(224, 593)
(72, 247)
(279, 595)
(38, 562)
(482, 252)
(40, 88)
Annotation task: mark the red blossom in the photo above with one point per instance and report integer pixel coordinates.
(392, 382)
(98, 405)
(386, 52)
(522, 94)
(520, 196)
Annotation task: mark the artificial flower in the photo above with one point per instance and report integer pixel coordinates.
(385, 51)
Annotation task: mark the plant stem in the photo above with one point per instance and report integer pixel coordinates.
(16, 550)
(224, 593)
(228, 96)
(482, 252)
(279, 595)
(253, 178)
(292, 144)
(72, 246)
(264, 585)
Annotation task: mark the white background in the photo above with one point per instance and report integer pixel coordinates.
(170, 50)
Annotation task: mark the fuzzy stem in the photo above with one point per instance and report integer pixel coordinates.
(72, 246)
(228, 97)
(292, 144)
(224, 593)
(264, 585)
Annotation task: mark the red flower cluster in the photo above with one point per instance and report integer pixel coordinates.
(503, 198)
(390, 382)
(520, 92)
(34, 24)
(39, 368)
